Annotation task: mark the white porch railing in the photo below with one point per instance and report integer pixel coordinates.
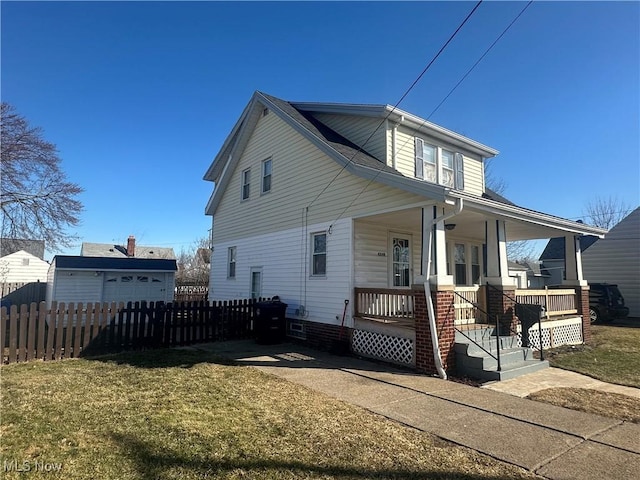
(556, 302)
(389, 305)
(466, 305)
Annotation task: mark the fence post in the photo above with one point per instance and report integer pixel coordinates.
(31, 332)
(79, 326)
(42, 329)
(13, 334)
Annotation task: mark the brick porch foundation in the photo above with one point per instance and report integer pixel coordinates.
(501, 302)
(444, 311)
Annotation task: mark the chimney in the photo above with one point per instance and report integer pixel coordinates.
(131, 246)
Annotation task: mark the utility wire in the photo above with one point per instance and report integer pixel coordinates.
(415, 82)
(440, 104)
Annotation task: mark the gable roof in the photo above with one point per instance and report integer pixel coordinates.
(12, 245)
(555, 247)
(361, 163)
(348, 155)
(106, 263)
(108, 250)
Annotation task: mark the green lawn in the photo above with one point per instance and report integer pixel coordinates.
(180, 414)
(613, 356)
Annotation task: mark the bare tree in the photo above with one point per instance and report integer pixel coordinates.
(37, 201)
(194, 263)
(522, 251)
(492, 181)
(606, 212)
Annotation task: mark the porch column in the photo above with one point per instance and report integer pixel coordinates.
(438, 253)
(496, 241)
(573, 261)
(582, 305)
(444, 311)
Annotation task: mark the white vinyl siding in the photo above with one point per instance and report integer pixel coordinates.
(77, 286)
(284, 259)
(372, 257)
(21, 267)
(616, 259)
(69, 285)
(358, 130)
(305, 171)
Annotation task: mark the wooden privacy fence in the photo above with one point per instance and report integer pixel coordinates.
(69, 331)
(17, 293)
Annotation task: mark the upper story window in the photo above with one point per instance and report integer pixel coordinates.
(266, 176)
(246, 183)
(438, 165)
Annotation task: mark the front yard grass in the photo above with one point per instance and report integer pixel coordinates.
(614, 357)
(181, 414)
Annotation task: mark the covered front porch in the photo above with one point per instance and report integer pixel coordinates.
(450, 262)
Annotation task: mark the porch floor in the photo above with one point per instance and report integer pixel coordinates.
(400, 322)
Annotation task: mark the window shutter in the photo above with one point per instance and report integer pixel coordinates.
(419, 158)
(459, 166)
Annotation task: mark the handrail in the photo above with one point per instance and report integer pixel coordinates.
(479, 345)
(529, 307)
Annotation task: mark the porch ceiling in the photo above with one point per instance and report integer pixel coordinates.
(468, 224)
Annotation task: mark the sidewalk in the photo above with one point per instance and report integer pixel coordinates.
(554, 378)
(551, 441)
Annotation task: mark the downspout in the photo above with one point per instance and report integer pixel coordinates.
(437, 356)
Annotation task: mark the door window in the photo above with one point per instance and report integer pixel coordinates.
(401, 262)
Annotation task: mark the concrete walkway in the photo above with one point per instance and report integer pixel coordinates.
(554, 378)
(551, 441)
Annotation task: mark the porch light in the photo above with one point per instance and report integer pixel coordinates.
(449, 226)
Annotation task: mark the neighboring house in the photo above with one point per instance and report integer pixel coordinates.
(323, 204)
(121, 274)
(616, 259)
(21, 261)
(552, 258)
(23, 271)
(527, 274)
(519, 273)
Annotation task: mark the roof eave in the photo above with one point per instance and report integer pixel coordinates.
(518, 213)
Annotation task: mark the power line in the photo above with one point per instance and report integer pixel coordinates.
(481, 58)
(445, 98)
(415, 82)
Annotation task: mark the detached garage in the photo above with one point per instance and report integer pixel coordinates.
(102, 279)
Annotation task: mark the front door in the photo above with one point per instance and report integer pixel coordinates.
(400, 260)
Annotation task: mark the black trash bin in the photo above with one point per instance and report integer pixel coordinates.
(269, 323)
(529, 314)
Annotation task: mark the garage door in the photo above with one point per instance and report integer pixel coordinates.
(135, 287)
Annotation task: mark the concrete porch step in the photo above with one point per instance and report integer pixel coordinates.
(482, 360)
(528, 366)
(476, 352)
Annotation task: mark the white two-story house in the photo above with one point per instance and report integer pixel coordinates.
(350, 211)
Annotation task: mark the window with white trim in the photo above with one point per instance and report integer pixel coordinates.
(438, 165)
(266, 175)
(231, 262)
(246, 183)
(319, 254)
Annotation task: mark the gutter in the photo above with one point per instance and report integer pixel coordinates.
(437, 356)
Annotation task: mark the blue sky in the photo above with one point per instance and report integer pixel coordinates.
(139, 96)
